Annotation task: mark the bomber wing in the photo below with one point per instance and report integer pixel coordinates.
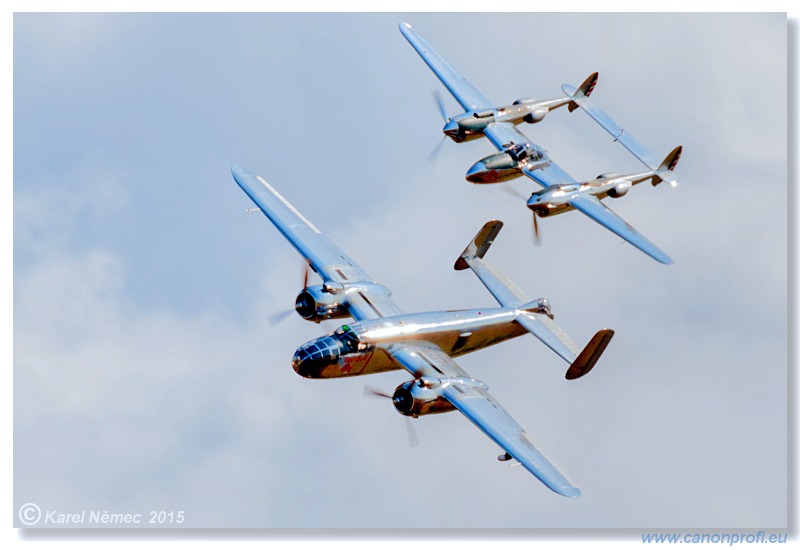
(464, 92)
(364, 297)
(472, 399)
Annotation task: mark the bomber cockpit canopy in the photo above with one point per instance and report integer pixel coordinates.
(348, 337)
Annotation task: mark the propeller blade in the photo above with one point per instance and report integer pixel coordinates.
(305, 276)
(513, 191)
(536, 240)
(413, 440)
(375, 392)
(277, 318)
(434, 154)
(437, 97)
(372, 391)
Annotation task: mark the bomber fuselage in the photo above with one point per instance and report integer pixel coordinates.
(361, 347)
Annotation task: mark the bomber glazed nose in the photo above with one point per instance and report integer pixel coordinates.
(298, 359)
(313, 357)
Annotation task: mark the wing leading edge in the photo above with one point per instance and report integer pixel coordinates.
(364, 297)
(609, 125)
(464, 92)
(472, 399)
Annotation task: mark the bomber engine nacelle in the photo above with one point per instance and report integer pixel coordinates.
(494, 169)
(619, 189)
(418, 397)
(316, 304)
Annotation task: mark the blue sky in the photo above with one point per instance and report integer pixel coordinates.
(146, 374)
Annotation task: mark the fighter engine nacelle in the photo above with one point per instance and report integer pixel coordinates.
(535, 116)
(417, 397)
(315, 304)
(619, 189)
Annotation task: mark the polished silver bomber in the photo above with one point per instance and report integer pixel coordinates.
(384, 338)
(518, 156)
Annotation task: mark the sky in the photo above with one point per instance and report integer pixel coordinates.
(147, 376)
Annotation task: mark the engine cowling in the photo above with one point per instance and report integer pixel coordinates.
(418, 397)
(535, 116)
(315, 304)
(619, 189)
(524, 101)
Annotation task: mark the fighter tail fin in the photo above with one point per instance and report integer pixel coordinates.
(584, 90)
(664, 171)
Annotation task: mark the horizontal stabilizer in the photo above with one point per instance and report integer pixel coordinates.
(480, 244)
(539, 324)
(590, 354)
(606, 122)
(504, 291)
(550, 334)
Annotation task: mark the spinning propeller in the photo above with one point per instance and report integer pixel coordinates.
(279, 317)
(434, 154)
(507, 188)
(413, 440)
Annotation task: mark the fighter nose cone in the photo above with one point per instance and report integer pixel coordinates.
(477, 174)
(451, 128)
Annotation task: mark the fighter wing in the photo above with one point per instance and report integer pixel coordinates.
(545, 172)
(365, 299)
(549, 173)
(501, 134)
(471, 398)
(602, 214)
(464, 92)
